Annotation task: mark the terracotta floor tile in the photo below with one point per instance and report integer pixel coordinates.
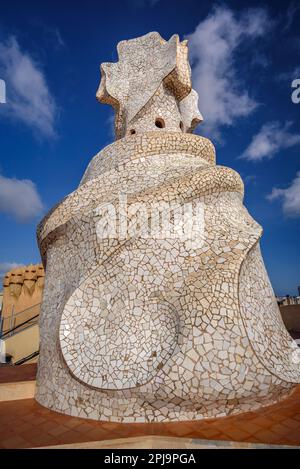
(41, 410)
(179, 430)
(84, 439)
(39, 420)
(110, 425)
(6, 434)
(6, 420)
(29, 418)
(69, 437)
(13, 442)
(291, 423)
(286, 413)
(48, 425)
(21, 411)
(263, 422)
(27, 424)
(43, 440)
(266, 436)
(207, 433)
(58, 430)
(30, 433)
(236, 434)
(25, 427)
(225, 427)
(294, 434)
(280, 429)
(248, 427)
(84, 427)
(95, 434)
(73, 423)
(248, 416)
(277, 417)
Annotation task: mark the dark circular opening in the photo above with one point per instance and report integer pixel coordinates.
(132, 131)
(160, 123)
(181, 125)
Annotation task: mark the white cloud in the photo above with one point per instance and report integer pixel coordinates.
(290, 197)
(213, 47)
(27, 94)
(19, 198)
(272, 137)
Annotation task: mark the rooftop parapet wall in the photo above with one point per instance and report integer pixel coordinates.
(22, 290)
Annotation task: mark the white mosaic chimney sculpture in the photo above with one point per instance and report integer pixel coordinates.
(139, 325)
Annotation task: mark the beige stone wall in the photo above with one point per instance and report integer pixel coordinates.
(23, 344)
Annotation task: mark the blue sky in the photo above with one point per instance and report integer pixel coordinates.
(244, 58)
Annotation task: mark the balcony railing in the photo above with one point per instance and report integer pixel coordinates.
(15, 323)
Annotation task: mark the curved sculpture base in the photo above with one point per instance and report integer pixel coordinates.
(146, 328)
(152, 413)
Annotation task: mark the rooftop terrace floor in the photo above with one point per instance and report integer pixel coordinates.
(26, 424)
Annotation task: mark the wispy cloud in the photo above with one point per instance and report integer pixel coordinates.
(291, 12)
(250, 179)
(290, 197)
(50, 35)
(213, 48)
(29, 99)
(53, 36)
(289, 76)
(296, 72)
(19, 198)
(272, 137)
